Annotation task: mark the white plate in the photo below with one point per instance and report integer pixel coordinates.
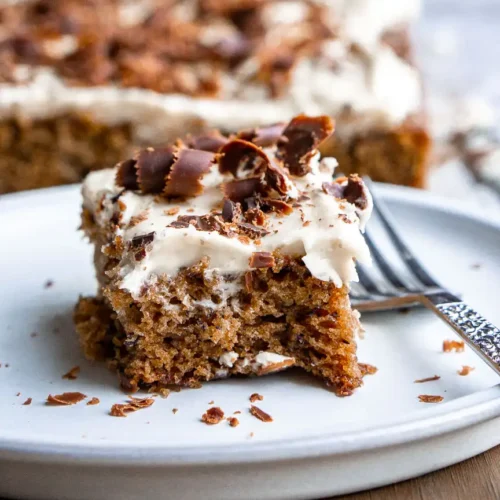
(318, 444)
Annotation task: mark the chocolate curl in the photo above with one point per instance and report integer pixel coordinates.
(153, 167)
(187, 171)
(302, 136)
(263, 136)
(239, 156)
(277, 178)
(210, 141)
(241, 189)
(260, 260)
(126, 175)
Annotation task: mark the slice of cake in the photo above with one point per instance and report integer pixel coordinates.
(83, 81)
(220, 256)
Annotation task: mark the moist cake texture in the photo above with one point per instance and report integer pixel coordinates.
(122, 74)
(218, 256)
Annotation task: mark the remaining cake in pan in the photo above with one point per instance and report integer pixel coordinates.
(220, 256)
(82, 81)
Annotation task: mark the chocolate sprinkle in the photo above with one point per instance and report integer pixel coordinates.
(302, 136)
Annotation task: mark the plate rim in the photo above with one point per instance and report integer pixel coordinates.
(472, 409)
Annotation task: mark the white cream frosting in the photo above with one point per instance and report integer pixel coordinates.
(324, 231)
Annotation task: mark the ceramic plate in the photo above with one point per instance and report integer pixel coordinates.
(318, 444)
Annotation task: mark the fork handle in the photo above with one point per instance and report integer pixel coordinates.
(476, 330)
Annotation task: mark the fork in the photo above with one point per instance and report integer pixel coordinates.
(403, 282)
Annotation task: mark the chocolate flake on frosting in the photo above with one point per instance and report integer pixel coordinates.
(153, 167)
(210, 141)
(352, 189)
(242, 189)
(302, 136)
(126, 175)
(242, 157)
(260, 260)
(263, 136)
(187, 171)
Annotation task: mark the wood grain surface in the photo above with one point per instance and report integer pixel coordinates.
(474, 479)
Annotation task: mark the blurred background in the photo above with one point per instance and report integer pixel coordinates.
(458, 49)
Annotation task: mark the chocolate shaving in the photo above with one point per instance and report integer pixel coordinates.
(277, 178)
(142, 240)
(300, 140)
(263, 136)
(260, 414)
(126, 175)
(153, 167)
(213, 416)
(425, 398)
(239, 156)
(252, 232)
(187, 171)
(428, 379)
(132, 405)
(355, 192)
(210, 141)
(66, 398)
(72, 374)
(242, 189)
(260, 260)
(231, 212)
(93, 401)
(209, 222)
(233, 421)
(256, 397)
(28, 402)
(465, 370)
(255, 216)
(277, 206)
(352, 189)
(453, 345)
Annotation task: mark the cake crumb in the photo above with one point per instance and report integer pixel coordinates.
(212, 416)
(72, 374)
(237, 412)
(175, 410)
(28, 402)
(18, 394)
(426, 398)
(256, 397)
(260, 414)
(211, 402)
(465, 370)
(233, 421)
(93, 401)
(48, 284)
(251, 435)
(367, 369)
(65, 399)
(428, 379)
(453, 345)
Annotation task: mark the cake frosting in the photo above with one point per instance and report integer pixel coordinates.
(325, 231)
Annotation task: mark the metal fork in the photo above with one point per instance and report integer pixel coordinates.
(401, 281)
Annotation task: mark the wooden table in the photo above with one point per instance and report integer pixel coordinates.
(477, 478)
